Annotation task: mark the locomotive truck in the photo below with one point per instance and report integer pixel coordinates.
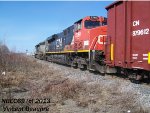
(119, 44)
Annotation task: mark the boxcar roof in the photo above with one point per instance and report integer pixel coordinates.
(111, 5)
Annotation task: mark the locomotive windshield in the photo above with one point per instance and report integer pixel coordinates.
(91, 24)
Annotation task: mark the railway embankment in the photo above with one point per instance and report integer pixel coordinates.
(53, 88)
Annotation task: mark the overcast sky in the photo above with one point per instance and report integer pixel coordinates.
(24, 24)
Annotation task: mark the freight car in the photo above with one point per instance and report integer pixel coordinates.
(128, 41)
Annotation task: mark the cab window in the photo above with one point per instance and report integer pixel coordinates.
(78, 25)
(91, 24)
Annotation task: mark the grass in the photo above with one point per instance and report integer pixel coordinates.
(24, 73)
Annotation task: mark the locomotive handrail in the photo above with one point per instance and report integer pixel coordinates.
(93, 42)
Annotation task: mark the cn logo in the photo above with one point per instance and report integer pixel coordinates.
(136, 23)
(101, 39)
(59, 42)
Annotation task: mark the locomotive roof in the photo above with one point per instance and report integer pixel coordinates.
(52, 36)
(69, 27)
(78, 21)
(59, 34)
(41, 43)
(48, 38)
(87, 17)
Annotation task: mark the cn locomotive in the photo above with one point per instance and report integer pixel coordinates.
(119, 44)
(80, 45)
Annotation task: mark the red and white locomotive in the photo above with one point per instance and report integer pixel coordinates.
(80, 45)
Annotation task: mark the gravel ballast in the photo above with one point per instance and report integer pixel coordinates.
(138, 94)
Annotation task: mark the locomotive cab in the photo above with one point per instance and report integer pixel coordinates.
(86, 29)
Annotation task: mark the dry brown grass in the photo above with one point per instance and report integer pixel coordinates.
(18, 69)
(94, 97)
(43, 82)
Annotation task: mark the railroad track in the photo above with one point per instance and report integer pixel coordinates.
(95, 73)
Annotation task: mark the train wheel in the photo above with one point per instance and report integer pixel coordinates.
(138, 77)
(84, 67)
(74, 65)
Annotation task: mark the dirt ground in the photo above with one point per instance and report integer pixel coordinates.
(54, 88)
